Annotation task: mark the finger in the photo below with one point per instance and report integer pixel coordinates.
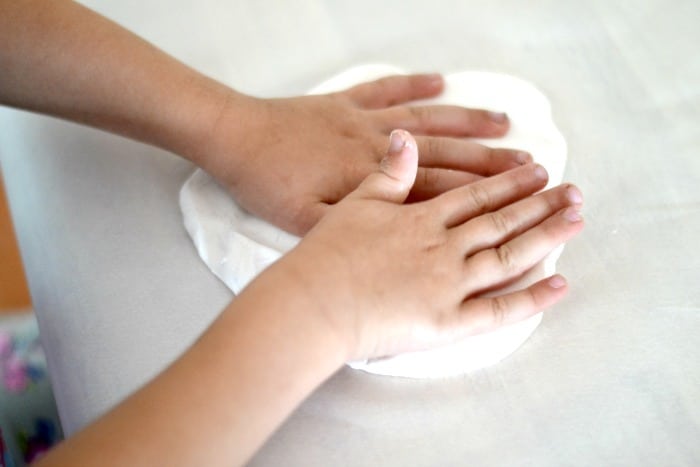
(489, 194)
(393, 90)
(497, 227)
(469, 156)
(433, 182)
(397, 171)
(445, 120)
(479, 315)
(495, 266)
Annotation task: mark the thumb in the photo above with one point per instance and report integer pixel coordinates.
(397, 171)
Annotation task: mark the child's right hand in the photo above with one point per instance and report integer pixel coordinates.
(390, 278)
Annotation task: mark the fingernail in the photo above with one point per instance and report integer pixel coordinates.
(540, 172)
(498, 117)
(523, 158)
(556, 282)
(397, 141)
(572, 215)
(574, 195)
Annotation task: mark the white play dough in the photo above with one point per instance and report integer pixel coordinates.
(237, 246)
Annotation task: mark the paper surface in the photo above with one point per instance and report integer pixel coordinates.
(237, 246)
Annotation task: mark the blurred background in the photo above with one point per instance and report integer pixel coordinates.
(28, 418)
(14, 294)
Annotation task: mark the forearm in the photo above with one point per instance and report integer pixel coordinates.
(63, 59)
(219, 402)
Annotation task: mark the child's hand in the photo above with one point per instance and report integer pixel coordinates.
(391, 278)
(287, 160)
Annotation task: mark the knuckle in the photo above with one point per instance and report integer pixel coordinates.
(421, 115)
(489, 157)
(552, 199)
(491, 154)
(533, 298)
(479, 198)
(430, 178)
(501, 222)
(392, 89)
(433, 146)
(506, 258)
(499, 310)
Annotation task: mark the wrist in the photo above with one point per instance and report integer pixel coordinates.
(219, 121)
(300, 316)
(196, 117)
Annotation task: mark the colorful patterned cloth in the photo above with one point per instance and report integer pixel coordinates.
(29, 423)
